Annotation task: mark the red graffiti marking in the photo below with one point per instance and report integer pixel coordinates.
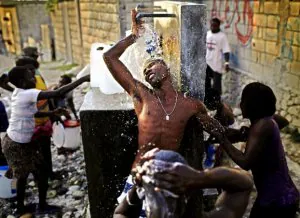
(247, 17)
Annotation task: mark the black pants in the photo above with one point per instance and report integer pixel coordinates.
(45, 145)
(3, 161)
(288, 211)
(215, 77)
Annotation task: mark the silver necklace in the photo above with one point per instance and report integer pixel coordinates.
(168, 114)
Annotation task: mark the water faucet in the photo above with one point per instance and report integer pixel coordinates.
(144, 11)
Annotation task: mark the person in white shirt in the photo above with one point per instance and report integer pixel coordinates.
(24, 156)
(217, 47)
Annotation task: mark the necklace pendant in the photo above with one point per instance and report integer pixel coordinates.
(167, 117)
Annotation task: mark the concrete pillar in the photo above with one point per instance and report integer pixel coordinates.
(109, 135)
(184, 47)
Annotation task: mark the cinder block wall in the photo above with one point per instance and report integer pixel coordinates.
(100, 23)
(265, 41)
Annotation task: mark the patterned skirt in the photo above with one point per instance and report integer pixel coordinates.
(23, 159)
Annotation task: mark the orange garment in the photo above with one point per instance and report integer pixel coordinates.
(42, 105)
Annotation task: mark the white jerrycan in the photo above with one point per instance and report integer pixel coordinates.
(100, 75)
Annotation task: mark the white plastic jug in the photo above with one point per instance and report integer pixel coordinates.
(67, 135)
(7, 186)
(100, 75)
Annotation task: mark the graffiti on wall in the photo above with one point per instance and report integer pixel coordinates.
(288, 39)
(228, 11)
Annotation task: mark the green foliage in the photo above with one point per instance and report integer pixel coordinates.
(51, 4)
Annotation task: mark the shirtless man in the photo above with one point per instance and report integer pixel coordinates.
(162, 111)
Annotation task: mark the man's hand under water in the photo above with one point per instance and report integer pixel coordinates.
(139, 171)
(175, 177)
(137, 28)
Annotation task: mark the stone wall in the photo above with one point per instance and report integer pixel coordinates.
(265, 42)
(31, 17)
(103, 21)
(99, 22)
(74, 32)
(59, 34)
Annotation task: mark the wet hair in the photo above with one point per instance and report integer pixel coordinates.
(212, 96)
(259, 100)
(217, 20)
(169, 156)
(17, 75)
(154, 60)
(67, 79)
(25, 60)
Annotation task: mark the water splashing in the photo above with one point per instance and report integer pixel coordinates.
(146, 46)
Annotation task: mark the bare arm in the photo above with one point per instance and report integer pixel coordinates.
(256, 142)
(281, 121)
(4, 83)
(235, 183)
(118, 70)
(63, 90)
(210, 125)
(181, 178)
(237, 135)
(125, 210)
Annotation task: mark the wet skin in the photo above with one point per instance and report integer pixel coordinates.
(154, 129)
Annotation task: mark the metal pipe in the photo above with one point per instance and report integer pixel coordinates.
(142, 15)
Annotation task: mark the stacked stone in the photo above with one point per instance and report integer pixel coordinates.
(59, 33)
(74, 31)
(100, 23)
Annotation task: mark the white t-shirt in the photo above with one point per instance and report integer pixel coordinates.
(216, 45)
(23, 107)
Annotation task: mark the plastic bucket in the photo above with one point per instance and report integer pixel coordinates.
(67, 135)
(7, 186)
(72, 134)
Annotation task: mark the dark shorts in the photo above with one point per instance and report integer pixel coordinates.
(23, 159)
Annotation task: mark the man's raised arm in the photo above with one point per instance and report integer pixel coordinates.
(118, 70)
